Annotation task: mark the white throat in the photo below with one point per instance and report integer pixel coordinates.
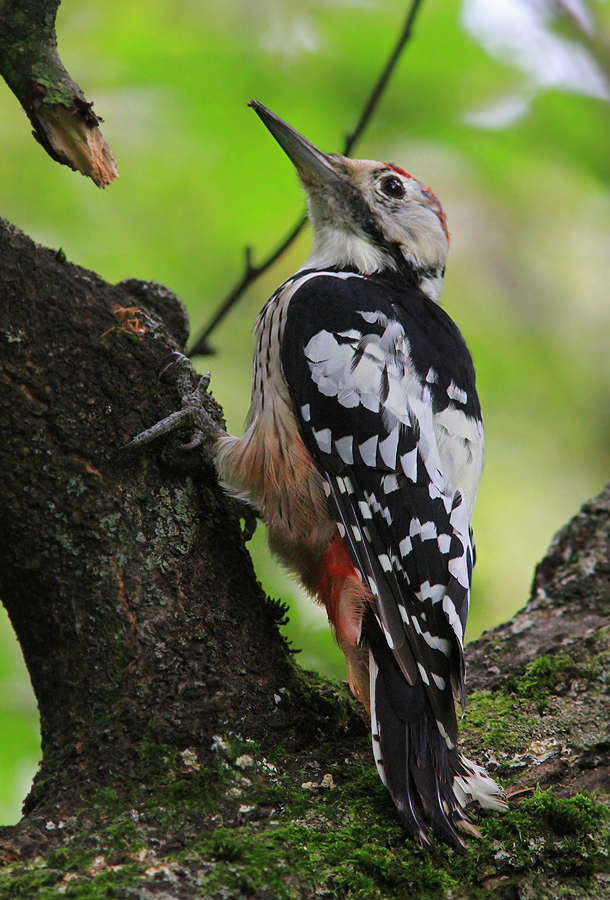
(337, 248)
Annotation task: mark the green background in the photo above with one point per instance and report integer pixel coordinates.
(519, 159)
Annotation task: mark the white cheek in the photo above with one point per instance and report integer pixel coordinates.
(417, 230)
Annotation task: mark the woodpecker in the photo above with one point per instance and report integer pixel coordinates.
(362, 452)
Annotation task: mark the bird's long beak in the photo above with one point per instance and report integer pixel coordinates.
(314, 167)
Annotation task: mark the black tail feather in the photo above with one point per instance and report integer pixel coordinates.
(429, 781)
(396, 750)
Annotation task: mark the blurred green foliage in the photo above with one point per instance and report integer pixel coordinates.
(527, 198)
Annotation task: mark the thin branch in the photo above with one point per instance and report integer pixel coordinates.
(252, 272)
(383, 79)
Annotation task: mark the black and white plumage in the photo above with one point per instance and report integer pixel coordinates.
(388, 409)
(363, 452)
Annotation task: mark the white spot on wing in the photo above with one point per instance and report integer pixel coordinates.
(444, 735)
(437, 643)
(323, 439)
(365, 509)
(388, 448)
(345, 449)
(453, 619)
(322, 350)
(389, 483)
(405, 546)
(386, 565)
(456, 393)
(414, 526)
(408, 462)
(434, 593)
(444, 542)
(428, 531)
(368, 451)
(459, 569)
(439, 682)
(423, 673)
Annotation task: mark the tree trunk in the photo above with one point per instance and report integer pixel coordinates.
(184, 753)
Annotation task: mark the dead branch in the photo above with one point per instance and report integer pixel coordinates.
(62, 118)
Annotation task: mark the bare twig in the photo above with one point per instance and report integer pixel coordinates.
(252, 272)
(383, 79)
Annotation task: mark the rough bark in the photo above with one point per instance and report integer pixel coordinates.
(63, 120)
(184, 753)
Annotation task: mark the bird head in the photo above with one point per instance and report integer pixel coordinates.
(366, 214)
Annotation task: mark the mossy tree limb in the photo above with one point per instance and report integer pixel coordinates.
(63, 120)
(183, 751)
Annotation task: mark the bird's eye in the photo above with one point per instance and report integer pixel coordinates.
(392, 187)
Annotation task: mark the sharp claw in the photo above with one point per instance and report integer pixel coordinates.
(196, 441)
(172, 360)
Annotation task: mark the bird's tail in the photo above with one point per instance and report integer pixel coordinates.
(430, 782)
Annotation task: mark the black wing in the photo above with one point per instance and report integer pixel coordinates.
(369, 367)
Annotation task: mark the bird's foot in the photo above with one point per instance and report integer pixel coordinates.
(193, 413)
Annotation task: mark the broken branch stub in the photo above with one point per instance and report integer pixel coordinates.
(63, 120)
